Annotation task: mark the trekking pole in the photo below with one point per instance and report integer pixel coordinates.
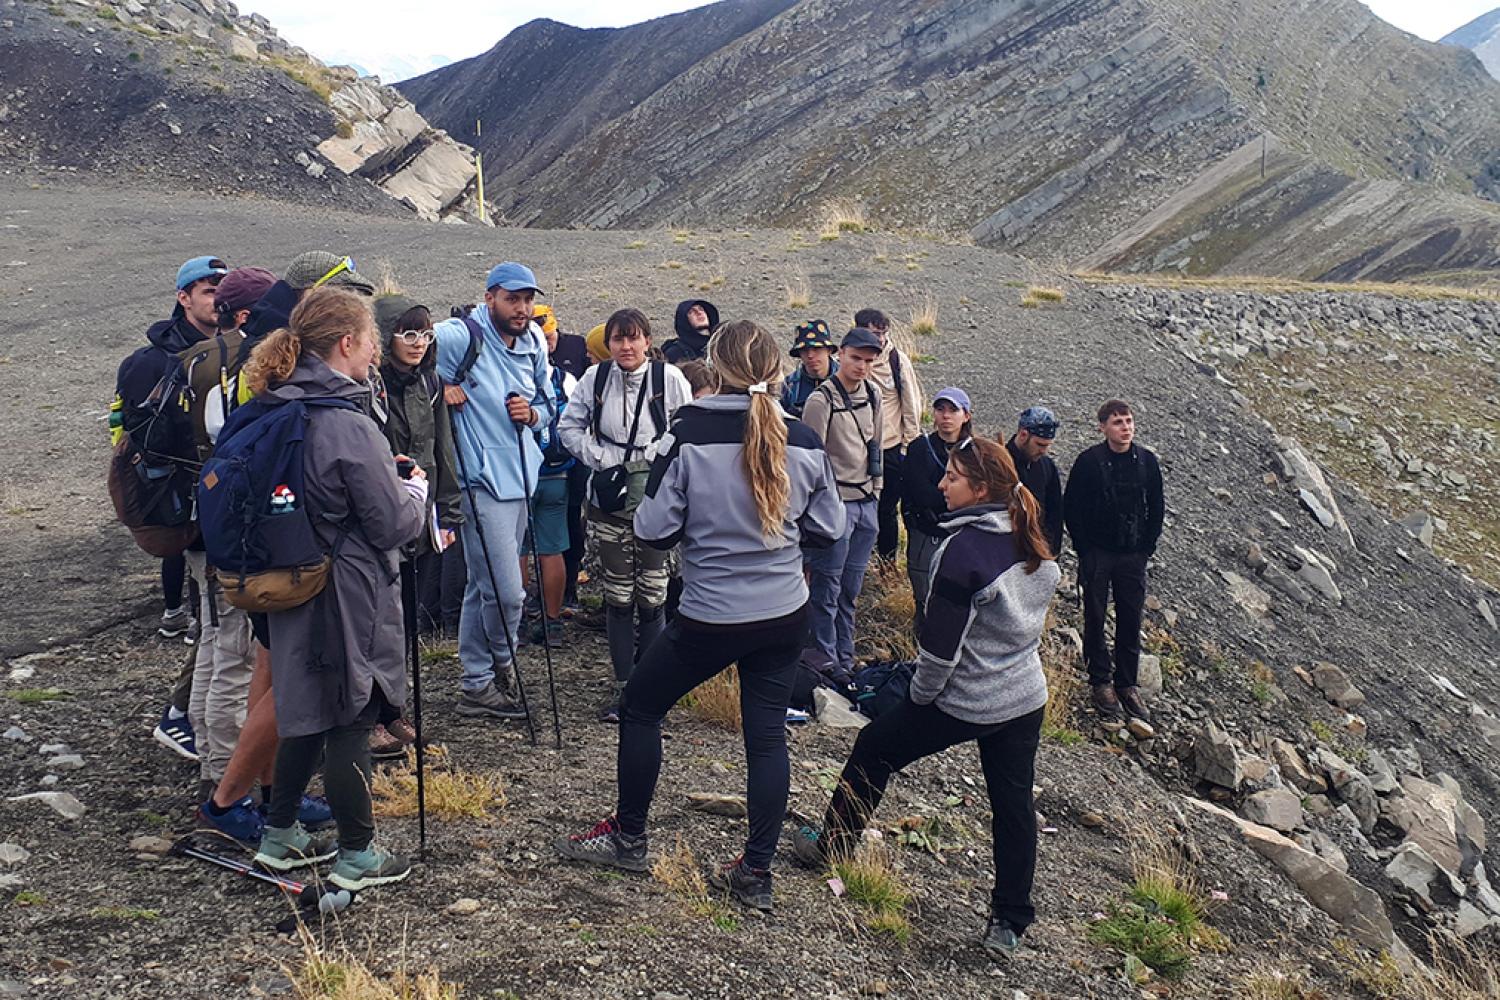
(536, 562)
(309, 895)
(414, 652)
(484, 549)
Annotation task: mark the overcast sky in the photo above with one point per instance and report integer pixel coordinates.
(385, 38)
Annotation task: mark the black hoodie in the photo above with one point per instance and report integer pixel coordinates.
(690, 344)
(140, 372)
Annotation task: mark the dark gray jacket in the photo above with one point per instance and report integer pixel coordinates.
(698, 495)
(416, 425)
(328, 655)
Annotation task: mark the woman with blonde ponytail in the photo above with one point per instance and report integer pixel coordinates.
(978, 677)
(338, 660)
(743, 488)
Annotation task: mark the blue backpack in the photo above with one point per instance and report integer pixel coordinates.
(252, 508)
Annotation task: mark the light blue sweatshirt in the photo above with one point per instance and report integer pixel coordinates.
(486, 434)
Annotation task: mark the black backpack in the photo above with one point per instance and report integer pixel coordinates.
(153, 473)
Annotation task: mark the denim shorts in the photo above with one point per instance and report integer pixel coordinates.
(550, 514)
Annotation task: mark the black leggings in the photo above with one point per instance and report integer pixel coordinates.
(346, 776)
(1007, 753)
(686, 654)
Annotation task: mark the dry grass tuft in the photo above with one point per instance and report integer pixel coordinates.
(717, 700)
(798, 291)
(333, 973)
(452, 793)
(679, 871)
(843, 215)
(1456, 971)
(1064, 679)
(887, 611)
(924, 316)
(1037, 295)
(1277, 985)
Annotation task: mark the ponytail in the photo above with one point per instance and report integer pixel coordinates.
(747, 359)
(987, 464)
(272, 360)
(323, 318)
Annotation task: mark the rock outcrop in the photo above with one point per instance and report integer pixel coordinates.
(192, 93)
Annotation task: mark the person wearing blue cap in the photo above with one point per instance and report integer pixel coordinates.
(1028, 446)
(494, 361)
(172, 446)
(924, 505)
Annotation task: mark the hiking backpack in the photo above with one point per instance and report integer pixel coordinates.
(252, 508)
(153, 472)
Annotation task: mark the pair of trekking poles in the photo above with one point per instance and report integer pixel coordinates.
(409, 603)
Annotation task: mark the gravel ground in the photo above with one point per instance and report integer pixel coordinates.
(96, 271)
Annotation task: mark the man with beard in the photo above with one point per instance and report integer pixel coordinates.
(504, 385)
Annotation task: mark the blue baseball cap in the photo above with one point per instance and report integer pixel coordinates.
(513, 277)
(1038, 420)
(956, 396)
(199, 268)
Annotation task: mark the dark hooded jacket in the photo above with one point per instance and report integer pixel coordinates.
(416, 425)
(329, 655)
(1045, 483)
(139, 374)
(690, 344)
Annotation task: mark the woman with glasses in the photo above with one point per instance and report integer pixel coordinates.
(922, 501)
(978, 679)
(416, 424)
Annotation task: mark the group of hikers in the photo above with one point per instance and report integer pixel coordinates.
(734, 509)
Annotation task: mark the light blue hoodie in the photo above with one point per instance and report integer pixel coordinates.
(486, 435)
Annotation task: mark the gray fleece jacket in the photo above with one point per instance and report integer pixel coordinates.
(978, 659)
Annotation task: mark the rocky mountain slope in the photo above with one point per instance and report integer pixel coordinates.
(1482, 37)
(1328, 745)
(190, 93)
(1052, 127)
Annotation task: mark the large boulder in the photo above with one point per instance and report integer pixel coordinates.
(1357, 908)
(1294, 769)
(1275, 807)
(1414, 870)
(1312, 488)
(1435, 818)
(1217, 758)
(1336, 686)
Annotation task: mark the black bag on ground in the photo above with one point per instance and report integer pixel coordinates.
(882, 686)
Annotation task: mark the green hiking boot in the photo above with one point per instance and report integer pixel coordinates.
(285, 848)
(355, 870)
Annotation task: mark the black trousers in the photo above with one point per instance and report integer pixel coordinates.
(1007, 753)
(889, 519)
(346, 776)
(1099, 572)
(578, 490)
(454, 576)
(685, 655)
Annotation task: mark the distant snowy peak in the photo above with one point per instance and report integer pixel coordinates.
(1482, 37)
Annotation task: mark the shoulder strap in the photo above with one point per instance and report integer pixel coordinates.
(658, 402)
(471, 354)
(601, 378)
(896, 373)
(431, 386)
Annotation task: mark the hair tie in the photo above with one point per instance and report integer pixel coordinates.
(758, 389)
(1015, 490)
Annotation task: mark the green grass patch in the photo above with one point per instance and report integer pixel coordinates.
(1150, 938)
(28, 898)
(123, 913)
(870, 881)
(35, 696)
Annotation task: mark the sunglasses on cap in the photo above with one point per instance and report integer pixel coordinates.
(415, 337)
(347, 264)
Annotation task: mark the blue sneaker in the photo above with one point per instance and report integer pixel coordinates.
(313, 813)
(241, 822)
(176, 735)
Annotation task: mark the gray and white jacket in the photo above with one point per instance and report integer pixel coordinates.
(979, 657)
(698, 495)
(618, 400)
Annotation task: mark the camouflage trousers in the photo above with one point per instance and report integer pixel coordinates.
(634, 574)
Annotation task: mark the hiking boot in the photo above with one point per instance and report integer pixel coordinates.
(1134, 703)
(751, 886)
(1107, 703)
(176, 735)
(175, 622)
(488, 703)
(610, 713)
(605, 844)
(808, 847)
(355, 870)
(241, 822)
(287, 848)
(551, 633)
(1001, 939)
(313, 812)
(385, 746)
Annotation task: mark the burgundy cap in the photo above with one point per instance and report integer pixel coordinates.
(242, 288)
